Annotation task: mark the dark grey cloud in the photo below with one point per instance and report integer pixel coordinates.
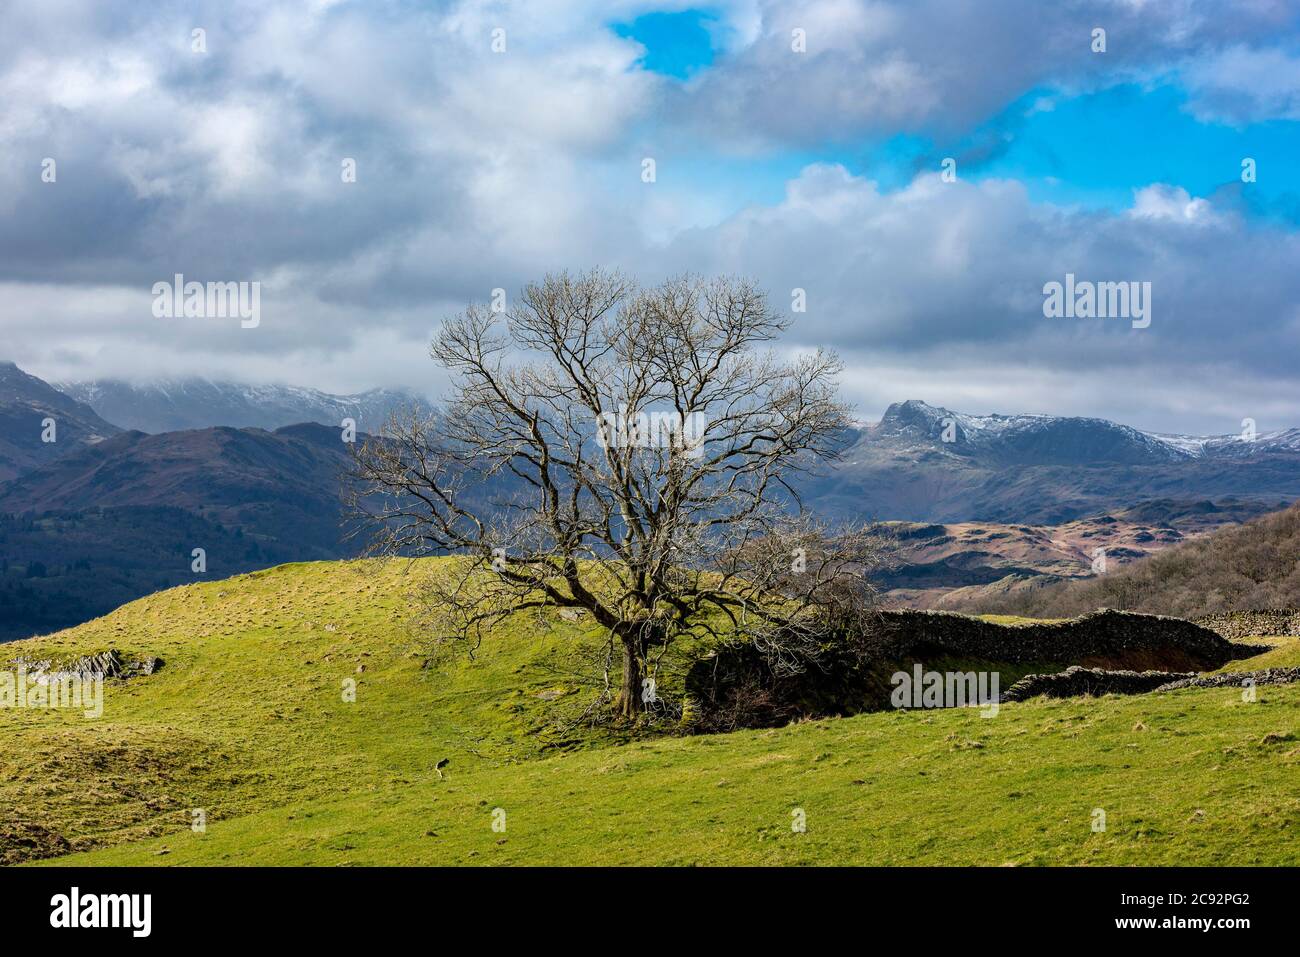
(941, 67)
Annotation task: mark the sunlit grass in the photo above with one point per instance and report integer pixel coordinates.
(247, 721)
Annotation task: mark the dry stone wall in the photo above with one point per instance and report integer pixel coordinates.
(734, 687)
(1247, 624)
(1111, 636)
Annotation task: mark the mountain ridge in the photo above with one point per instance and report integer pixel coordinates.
(1011, 482)
(279, 484)
(916, 417)
(924, 463)
(25, 403)
(172, 405)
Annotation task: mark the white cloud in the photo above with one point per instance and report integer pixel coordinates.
(1245, 85)
(478, 170)
(1170, 203)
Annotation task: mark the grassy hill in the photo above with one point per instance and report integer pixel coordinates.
(247, 720)
(63, 568)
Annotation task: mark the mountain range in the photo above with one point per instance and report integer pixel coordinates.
(923, 463)
(107, 513)
(173, 405)
(104, 515)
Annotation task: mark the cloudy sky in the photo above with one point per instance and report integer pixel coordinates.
(821, 169)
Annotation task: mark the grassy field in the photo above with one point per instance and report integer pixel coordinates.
(247, 721)
(1283, 653)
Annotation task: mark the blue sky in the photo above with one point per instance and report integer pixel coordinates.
(1093, 148)
(678, 43)
(1096, 148)
(483, 164)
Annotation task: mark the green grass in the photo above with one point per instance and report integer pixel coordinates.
(248, 711)
(247, 721)
(1283, 653)
(1018, 620)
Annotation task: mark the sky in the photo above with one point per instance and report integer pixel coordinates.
(921, 169)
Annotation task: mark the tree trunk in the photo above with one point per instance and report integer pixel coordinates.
(629, 703)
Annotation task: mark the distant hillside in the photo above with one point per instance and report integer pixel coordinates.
(283, 484)
(113, 521)
(25, 402)
(1256, 565)
(954, 565)
(62, 568)
(171, 406)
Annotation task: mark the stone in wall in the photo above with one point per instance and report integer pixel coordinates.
(1115, 637)
(1247, 624)
(1265, 676)
(1076, 681)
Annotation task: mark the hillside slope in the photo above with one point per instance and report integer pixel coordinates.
(246, 720)
(25, 403)
(110, 522)
(283, 483)
(247, 712)
(1252, 566)
(929, 562)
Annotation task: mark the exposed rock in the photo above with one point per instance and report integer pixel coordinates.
(103, 664)
(145, 666)
(1076, 681)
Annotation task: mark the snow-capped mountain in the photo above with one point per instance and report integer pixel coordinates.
(1228, 446)
(929, 464)
(199, 403)
(1020, 439)
(1061, 440)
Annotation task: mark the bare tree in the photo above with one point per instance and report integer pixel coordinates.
(629, 452)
